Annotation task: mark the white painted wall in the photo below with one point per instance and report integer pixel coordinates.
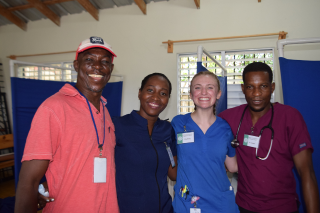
(137, 38)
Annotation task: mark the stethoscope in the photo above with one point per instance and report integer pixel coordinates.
(235, 143)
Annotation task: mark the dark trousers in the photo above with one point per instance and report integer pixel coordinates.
(242, 210)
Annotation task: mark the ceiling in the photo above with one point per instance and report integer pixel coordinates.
(20, 12)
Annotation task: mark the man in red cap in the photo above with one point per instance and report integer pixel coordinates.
(71, 141)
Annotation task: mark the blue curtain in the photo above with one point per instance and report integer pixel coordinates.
(28, 94)
(300, 84)
(222, 103)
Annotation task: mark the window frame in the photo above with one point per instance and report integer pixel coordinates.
(223, 54)
(39, 72)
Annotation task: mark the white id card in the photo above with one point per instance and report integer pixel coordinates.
(185, 137)
(100, 170)
(173, 164)
(195, 210)
(251, 141)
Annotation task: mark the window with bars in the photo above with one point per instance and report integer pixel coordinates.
(53, 72)
(63, 71)
(233, 61)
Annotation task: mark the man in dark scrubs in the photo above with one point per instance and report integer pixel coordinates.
(266, 182)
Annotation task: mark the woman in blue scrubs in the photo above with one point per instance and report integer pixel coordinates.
(144, 144)
(204, 149)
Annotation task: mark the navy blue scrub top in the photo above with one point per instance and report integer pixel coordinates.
(142, 164)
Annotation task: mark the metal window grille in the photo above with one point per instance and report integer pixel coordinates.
(63, 71)
(1, 79)
(5, 127)
(234, 61)
(52, 72)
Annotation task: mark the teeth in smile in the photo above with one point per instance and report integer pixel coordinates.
(154, 105)
(204, 99)
(95, 76)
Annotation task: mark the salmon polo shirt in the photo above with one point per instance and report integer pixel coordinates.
(62, 132)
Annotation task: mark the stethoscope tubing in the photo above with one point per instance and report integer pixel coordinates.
(265, 127)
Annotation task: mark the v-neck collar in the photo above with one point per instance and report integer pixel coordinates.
(258, 124)
(196, 125)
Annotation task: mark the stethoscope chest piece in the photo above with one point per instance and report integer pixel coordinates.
(235, 143)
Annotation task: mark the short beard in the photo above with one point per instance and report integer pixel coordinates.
(257, 110)
(93, 90)
(97, 91)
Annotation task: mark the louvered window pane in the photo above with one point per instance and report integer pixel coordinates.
(50, 72)
(235, 61)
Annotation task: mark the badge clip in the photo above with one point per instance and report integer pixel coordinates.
(100, 147)
(194, 201)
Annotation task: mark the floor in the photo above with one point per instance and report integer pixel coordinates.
(7, 189)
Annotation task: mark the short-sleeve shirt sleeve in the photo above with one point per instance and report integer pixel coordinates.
(44, 136)
(298, 135)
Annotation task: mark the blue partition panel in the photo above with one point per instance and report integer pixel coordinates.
(28, 94)
(300, 84)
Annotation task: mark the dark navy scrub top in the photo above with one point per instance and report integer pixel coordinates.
(142, 164)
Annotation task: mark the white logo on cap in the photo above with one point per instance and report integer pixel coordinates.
(96, 40)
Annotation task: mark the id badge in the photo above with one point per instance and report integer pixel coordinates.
(195, 210)
(185, 137)
(100, 170)
(173, 164)
(251, 141)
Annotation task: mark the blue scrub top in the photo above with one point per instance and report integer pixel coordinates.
(142, 164)
(201, 167)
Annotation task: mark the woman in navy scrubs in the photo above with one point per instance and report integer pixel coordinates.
(144, 144)
(204, 149)
(145, 152)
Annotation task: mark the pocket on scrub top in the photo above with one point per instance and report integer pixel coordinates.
(181, 204)
(228, 202)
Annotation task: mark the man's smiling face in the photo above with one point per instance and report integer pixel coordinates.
(94, 67)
